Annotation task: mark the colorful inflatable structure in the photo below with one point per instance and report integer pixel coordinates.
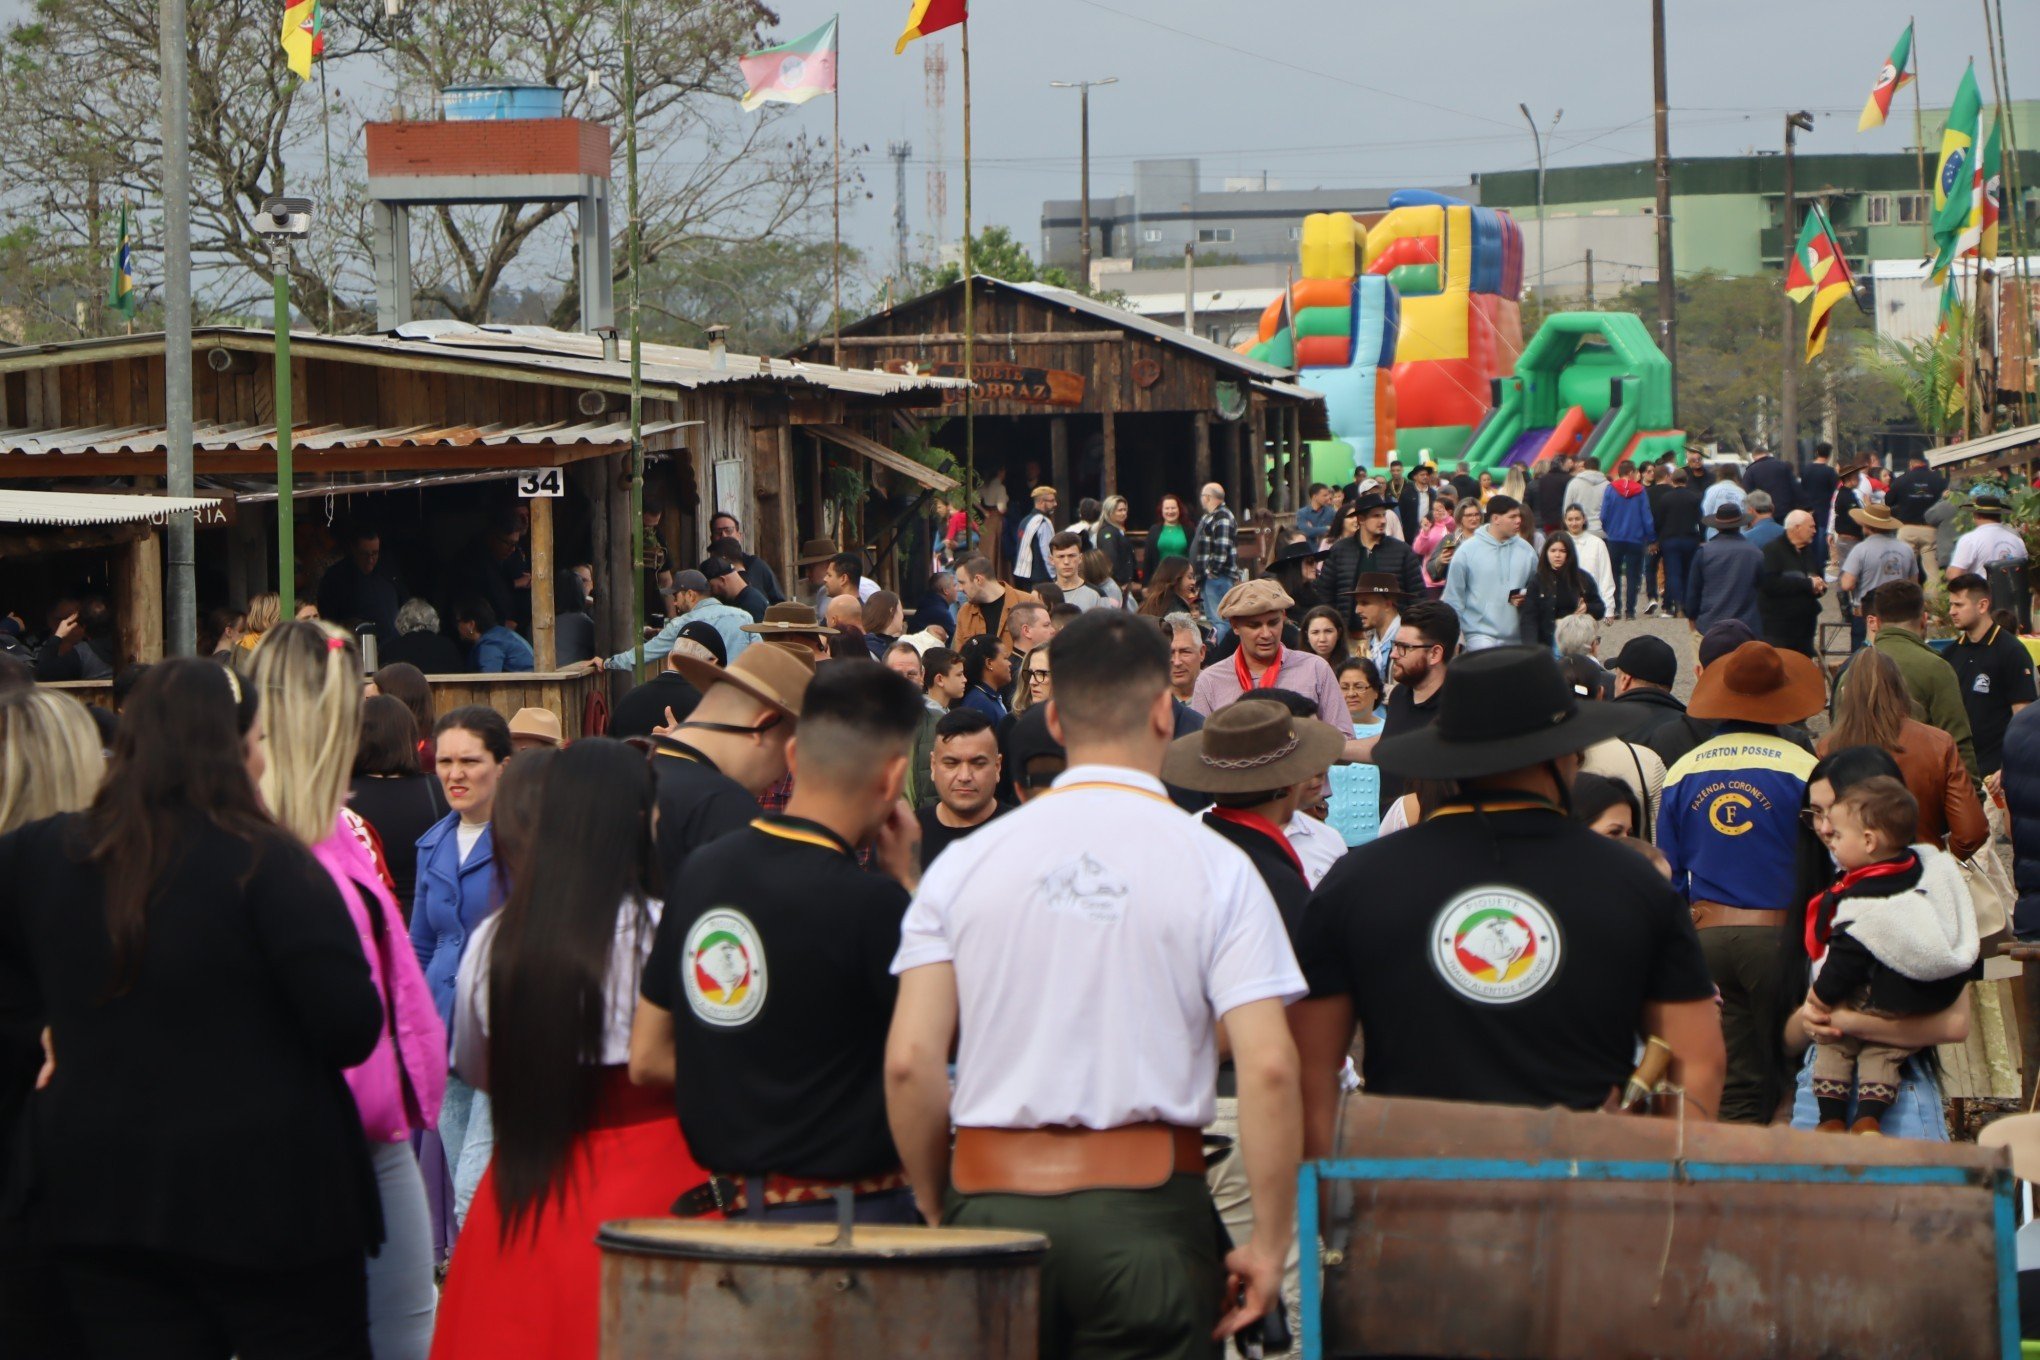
(1403, 327)
(1587, 383)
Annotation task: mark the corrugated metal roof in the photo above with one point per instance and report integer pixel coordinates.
(1154, 330)
(73, 508)
(1969, 450)
(261, 438)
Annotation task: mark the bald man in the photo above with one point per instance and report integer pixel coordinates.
(1215, 554)
(1790, 588)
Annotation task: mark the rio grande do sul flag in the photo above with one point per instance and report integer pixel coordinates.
(793, 72)
(1889, 81)
(1818, 270)
(304, 36)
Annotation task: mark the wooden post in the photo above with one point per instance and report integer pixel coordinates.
(789, 518)
(1200, 443)
(1297, 458)
(1257, 455)
(138, 599)
(1059, 463)
(1111, 469)
(544, 641)
(1236, 467)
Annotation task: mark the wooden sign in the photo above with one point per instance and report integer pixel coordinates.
(1012, 382)
(1146, 372)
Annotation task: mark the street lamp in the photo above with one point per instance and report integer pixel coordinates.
(281, 221)
(1538, 142)
(1084, 113)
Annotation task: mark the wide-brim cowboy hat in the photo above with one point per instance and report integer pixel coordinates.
(1759, 683)
(775, 676)
(1505, 708)
(788, 617)
(1299, 551)
(1251, 746)
(1873, 517)
(1369, 502)
(816, 550)
(1728, 515)
(1379, 585)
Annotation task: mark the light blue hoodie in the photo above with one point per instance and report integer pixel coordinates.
(1485, 571)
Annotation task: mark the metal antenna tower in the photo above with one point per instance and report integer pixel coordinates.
(899, 151)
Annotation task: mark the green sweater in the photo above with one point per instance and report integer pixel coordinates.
(1936, 692)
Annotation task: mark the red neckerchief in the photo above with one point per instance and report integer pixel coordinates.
(1246, 679)
(1820, 908)
(1254, 821)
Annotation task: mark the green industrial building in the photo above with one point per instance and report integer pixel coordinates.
(1727, 211)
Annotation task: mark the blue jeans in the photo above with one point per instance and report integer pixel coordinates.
(1916, 1113)
(1625, 560)
(469, 1135)
(1678, 555)
(1215, 590)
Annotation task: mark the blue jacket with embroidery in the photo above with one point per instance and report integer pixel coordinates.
(1729, 818)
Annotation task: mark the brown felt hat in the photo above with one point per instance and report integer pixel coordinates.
(1379, 584)
(1252, 745)
(1759, 683)
(775, 676)
(816, 550)
(1873, 517)
(789, 617)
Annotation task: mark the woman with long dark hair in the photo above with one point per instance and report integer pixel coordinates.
(1324, 635)
(1917, 1110)
(1557, 589)
(1167, 537)
(309, 677)
(407, 684)
(392, 792)
(1171, 589)
(543, 1025)
(885, 619)
(194, 1163)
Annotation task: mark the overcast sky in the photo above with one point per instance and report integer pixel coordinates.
(1350, 92)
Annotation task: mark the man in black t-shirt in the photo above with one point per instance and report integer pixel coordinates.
(964, 768)
(1993, 665)
(1520, 956)
(780, 993)
(1418, 656)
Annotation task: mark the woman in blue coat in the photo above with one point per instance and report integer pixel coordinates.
(457, 889)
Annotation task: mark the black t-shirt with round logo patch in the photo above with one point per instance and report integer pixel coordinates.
(1501, 956)
(1995, 674)
(781, 989)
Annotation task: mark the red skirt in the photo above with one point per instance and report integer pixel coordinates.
(540, 1295)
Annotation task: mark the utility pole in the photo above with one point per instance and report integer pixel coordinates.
(1787, 444)
(1538, 142)
(280, 222)
(180, 613)
(1590, 276)
(899, 151)
(634, 234)
(1083, 88)
(1667, 287)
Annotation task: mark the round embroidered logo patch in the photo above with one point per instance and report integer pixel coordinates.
(1495, 944)
(725, 968)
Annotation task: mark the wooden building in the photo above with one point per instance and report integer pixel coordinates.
(1097, 399)
(409, 422)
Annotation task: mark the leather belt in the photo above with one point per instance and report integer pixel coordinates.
(1707, 914)
(1061, 1161)
(726, 1194)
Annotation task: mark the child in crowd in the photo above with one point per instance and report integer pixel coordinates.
(1894, 935)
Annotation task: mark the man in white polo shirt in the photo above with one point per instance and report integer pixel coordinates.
(1087, 943)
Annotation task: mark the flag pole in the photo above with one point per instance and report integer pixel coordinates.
(969, 299)
(326, 119)
(1920, 142)
(836, 201)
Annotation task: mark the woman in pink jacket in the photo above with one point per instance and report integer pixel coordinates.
(309, 678)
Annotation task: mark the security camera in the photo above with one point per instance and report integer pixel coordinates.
(284, 218)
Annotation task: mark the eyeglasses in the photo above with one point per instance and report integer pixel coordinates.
(1037, 677)
(1401, 647)
(1813, 817)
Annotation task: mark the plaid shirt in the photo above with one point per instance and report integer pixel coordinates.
(1214, 549)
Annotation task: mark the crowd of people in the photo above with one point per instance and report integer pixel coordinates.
(336, 1026)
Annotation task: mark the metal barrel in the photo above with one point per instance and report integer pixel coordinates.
(772, 1290)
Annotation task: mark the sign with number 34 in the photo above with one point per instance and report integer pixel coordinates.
(547, 482)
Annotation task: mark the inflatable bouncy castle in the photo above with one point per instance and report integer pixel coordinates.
(1338, 326)
(1404, 327)
(1588, 383)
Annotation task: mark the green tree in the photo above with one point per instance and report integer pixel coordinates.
(775, 295)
